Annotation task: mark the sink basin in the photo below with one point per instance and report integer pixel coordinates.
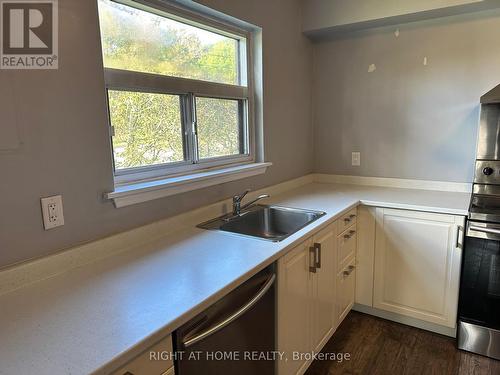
(274, 223)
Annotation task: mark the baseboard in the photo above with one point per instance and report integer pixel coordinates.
(446, 331)
(458, 187)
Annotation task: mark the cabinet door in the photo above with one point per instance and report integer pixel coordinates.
(346, 282)
(170, 371)
(142, 364)
(417, 264)
(294, 307)
(323, 322)
(365, 255)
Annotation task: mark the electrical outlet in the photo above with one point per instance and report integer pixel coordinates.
(52, 212)
(356, 159)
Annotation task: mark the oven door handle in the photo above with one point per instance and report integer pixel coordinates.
(489, 233)
(217, 327)
(484, 230)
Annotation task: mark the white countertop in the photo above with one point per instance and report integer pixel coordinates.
(98, 316)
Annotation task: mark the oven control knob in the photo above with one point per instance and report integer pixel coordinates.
(487, 171)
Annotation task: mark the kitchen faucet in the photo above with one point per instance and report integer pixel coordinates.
(237, 207)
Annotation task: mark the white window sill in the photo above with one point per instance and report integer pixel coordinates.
(126, 195)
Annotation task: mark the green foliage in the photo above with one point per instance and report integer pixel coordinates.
(147, 126)
(214, 139)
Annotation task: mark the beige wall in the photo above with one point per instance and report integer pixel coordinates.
(407, 120)
(65, 148)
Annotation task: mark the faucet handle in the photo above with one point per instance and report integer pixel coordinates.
(239, 197)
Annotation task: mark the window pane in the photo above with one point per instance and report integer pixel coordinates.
(136, 40)
(148, 128)
(219, 127)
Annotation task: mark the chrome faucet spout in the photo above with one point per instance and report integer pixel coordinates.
(255, 200)
(237, 207)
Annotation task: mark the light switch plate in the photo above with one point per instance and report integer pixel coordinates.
(356, 159)
(52, 212)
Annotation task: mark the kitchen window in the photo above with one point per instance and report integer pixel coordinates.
(179, 91)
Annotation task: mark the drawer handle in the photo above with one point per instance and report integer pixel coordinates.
(317, 255)
(347, 220)
(350, 234)
(312, 259)
(352, 216)
(349, 270)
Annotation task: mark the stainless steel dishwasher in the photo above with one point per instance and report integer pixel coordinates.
(236, 335)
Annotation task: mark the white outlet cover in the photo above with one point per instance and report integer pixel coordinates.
(52, 212)
(356, 159)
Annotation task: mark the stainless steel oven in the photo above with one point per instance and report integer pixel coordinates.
(479, 302)
(479, 306)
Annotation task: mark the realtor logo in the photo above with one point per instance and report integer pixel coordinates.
(28, 34)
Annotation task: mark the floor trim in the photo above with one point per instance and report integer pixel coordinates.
(446, 331)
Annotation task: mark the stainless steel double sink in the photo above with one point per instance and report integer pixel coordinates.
(273, 223)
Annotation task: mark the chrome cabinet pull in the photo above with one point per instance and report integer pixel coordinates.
(457, 242)
(349, 270)
(217, 327)
(317, 254)
(350, 218)
(350, 234)
(312, 263)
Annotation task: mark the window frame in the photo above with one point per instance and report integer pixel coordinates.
(188, 89)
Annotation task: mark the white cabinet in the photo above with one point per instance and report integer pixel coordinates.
(365, 255)
(151, 362)
(346, 281)
(306, 299)
(346, 220)
(417, 264)
(346, 243)
(170, 371)
(323, 288)
(294, 307)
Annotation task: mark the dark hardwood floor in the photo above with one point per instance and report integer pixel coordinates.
(378, 346)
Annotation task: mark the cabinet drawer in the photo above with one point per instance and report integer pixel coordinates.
(346, 245)
(346, 220)
(159, 364)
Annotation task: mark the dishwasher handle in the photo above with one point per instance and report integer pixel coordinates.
(217, 327)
